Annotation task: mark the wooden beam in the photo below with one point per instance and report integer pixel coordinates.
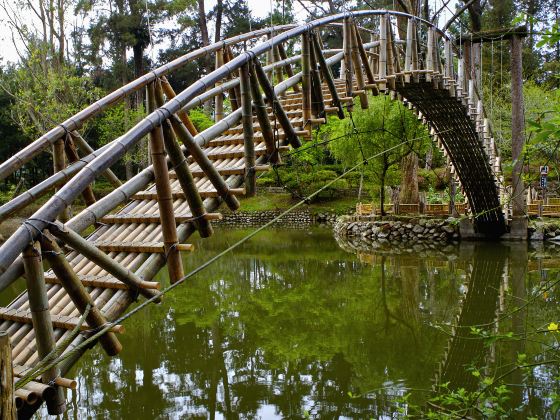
(40, 317)
(306, 78)
(165, 200)
(493, 35)
(200, 157)
(77, 292)
(88, 250)
(73, 157)
(327, 76)
(268, 90)
(183, 116)
(248, 140)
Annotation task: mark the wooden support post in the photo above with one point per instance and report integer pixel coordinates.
(357, 65)
(449, 68)
(165, 199)
(205, 164)
(306, 78)
(247, 120)
(287, 67)
(42, 324)
(408, 51)
(317, 99)
(365, 62)
(58, 165)
(517, 127)
(219, 99)
(289, 131)
(262, 117)
(391, 58)
(170, 93)
(76, 242)
(383, 53)
(278, 77)
(348, 70)
(234, 93)
(184, 175)
(8, 409)
(430, 55)
(72, 155)
(327, 75)
(77, 292)
(87, 149)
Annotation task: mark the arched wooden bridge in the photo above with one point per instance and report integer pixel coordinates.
(144, 223)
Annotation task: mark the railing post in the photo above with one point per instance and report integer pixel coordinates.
(306, 78)
(42, 324)
(357, 65)
(165, 199)
(7, 403)
(408, 52)
(219, 100)
(383, 53)
(247, 119)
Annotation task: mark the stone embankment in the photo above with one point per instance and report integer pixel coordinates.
(294, 220)
(404, 230)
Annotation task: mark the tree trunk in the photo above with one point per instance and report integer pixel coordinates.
(409, 184)
(219, 12)
(382, 192)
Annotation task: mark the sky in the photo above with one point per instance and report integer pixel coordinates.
(259, 8)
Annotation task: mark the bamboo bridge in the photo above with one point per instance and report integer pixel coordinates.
(145, 223)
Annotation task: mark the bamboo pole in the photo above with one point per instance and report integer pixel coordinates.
(391, 58)
(59, 165)
(287, 68)
(365, 62)
(219, 99)
(234, 93)
(262, 117)
(357, 65)
(277, 109)
(247, 119)
(81, 245)
(383, 53)
(408, 51)
(72, 155)
(348, 70)
(165, 199)
(318, 101)
(327, 75)
(278, 75)
(170, 93)
(430, 56)
(77, 292)
(183, 173)
(8, 409)
(200, 157)
(306, 78)
(42, 324)
(87, 149)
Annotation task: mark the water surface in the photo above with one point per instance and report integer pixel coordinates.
(295, 325)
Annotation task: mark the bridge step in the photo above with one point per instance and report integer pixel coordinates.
(139, 247)
(149, 195)
(58, 321)
(152, 218)
(233, 170)
(105, 281)
(237, 151)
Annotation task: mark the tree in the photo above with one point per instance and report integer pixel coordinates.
(386, 129)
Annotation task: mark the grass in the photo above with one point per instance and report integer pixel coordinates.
(281, 201)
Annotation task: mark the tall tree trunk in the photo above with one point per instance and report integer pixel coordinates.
(219, 12)
(409, 184)
(203, 24)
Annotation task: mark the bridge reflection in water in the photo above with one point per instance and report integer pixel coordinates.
(320, 330)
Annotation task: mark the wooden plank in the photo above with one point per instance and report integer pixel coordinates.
(153, 218)
(148, 195)
(58, 321)
(139, 247)
(104, 281)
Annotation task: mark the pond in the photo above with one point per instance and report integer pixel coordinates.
(296, 325)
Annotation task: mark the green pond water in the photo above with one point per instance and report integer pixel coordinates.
(296, 325)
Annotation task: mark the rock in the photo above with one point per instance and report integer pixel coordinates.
(418, 229)
(448, 229)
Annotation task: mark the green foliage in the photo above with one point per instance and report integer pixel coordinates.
(200, 119)
(116, 120)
